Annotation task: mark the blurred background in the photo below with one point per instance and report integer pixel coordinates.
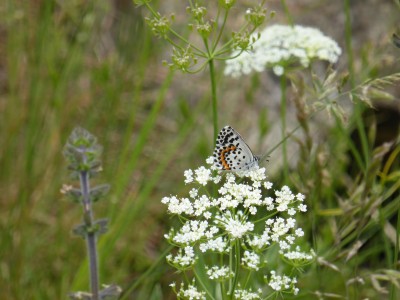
(96, 64)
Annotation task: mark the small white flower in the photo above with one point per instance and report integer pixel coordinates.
(217, 179)
(191, 232)
(284, 245)
(282, 283)
(207, 215)
(183, 259)
(269, 203)
(298, 256)
(241, 294)
(290, 239)
(268, 185)
(235, 225)
(299, 232)
(284, 198)
(278, 227)
(300, 197)
(188, 176)
(251, 260)
(203, 175)
(211, 232)
(252, 210)
(201, 205)
(261, 241)
(165, 200)
(278, 70)
(291, 222)
(191, 293)
(210, 160)
(176, 206)
(193, 193)
(217, 245)
(302, 207)
(219, 273)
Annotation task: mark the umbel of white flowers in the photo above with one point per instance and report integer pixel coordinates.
(280, 46)
(215, 225)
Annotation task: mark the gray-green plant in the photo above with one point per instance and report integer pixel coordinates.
(83, 155)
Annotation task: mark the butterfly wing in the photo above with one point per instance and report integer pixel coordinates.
(231, 152)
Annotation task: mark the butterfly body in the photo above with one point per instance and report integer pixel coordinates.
(231, 153)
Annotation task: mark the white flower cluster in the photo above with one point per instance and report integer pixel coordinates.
(282, 283)
(191, 293)
(184, 259)
(298, 257)
(251, 260)
(279, 46)
(218, 223)
(219, 273)
(241, 294)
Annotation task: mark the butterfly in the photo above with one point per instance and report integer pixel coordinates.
(231, 153)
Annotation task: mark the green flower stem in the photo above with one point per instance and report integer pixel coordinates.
(287, 13)
(91, 235)
(283, 85)
(247, 279)
(221, 30)
(214, 99)
(237, 267)
(199, 280)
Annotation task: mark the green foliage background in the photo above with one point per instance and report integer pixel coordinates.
(95, 64)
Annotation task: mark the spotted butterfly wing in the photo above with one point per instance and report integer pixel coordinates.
(232, 153)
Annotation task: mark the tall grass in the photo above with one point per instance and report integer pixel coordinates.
(94, 64)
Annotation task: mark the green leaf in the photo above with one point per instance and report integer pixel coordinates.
(99, 191)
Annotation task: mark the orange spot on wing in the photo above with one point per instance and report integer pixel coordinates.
(222, 157)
